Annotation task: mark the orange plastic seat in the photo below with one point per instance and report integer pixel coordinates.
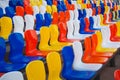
(31, 44)
(88, 58)
(113, 30)
(117, 74)
(94, 45)
(29, 10)
(19, 11)
(55, 18)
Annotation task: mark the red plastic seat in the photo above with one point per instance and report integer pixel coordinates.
(31, 44)
(113, 30)
(55, 2)
(88, 58)
(55, 18)
(94, 45)
(87, 25)
(19, 11)
(29, 10)
(93, 11)
(117, 74)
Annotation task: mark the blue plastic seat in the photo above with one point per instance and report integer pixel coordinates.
(39, 22)
(80, 14)
(67, 72)
(48, 19)
(49, 2)
(13, 3)
(16, 50)
(1, 12)
(10, 12)
(92, 23)
(59, 7)
(82, 27)
(4, 66)
(20, 3)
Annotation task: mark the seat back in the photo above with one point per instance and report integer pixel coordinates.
(28, 10)
(18, 24)
(54, 9)
(35, 11)
(31, 40)
(49, 9)
(35, 70)
(67, 60)
(113, 30)
(19, 11)
(29, 19)
(94, 41)
(9, 12)
(2, 49)
(14, 75)
(16, 39)
(1, 12)
(118, 28)
(5, 27)
(48, 19)
(55, 18)
(117, 74)
(54, 65)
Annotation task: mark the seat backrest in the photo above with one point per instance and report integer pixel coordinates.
(55, 18)
(14, 40)
(31, 40)
(118, 28)
(67, 15)
(113, 30)
(28, 9)
(54, 8)
(35, 11)
(35, 70)
(48, 19)
(1, 12)
(14, 75)
(54, 65)
(2, 49)
(19, 11)
(9, 11)
(94, 41)
(49, 9)
(117, 74)
(68, 57)
(42, 10)
(78, 52)
(6, 27)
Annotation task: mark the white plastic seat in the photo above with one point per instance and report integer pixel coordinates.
(14, 75)
(4, 4)
(36, 11)
(78, 64)
(106, 39)
(44, 3)
(29, 19)
(18, 24)
(42, 10)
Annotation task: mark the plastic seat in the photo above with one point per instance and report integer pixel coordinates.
(35, 11)
(44, 39)
(42, 10)
(54, 37)
(55, 18)
(18, 22)
(78, 64)
(19, 11)
(48, 19)
(44, 3)
(49, 9)
(118, 29)
(35, 70)
(16, 52)
(54, 9)
(31, 44)
(113, 30)
(68, 72)
(29, 20)
(14, 75)
(99, 47)
(54, 66)
(1, 12)
(117, 74)
(5, 27)
(4, 4)
(9, 12)
(101, 20)
(28, 10)
(94, 46)
(106, 39)
(88, 58)
(4, 66)
(39, 22)
(82, 27)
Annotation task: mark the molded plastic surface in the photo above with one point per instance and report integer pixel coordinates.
(54, 66)
(117, 74)
(19, 11)
(9, 12)
(35, 70)
(14, 75)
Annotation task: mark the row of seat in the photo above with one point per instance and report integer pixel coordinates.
(63, 31)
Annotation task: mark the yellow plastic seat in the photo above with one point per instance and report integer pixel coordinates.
(54, 33)
(113, 15)
(54, 8)
(118, 28)
(44, 40)
(106, 9)
(99, 47)
(35, 70)
(5, 27)
(79, 1)
(54, 66)
(49, 9)
(35, 2)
